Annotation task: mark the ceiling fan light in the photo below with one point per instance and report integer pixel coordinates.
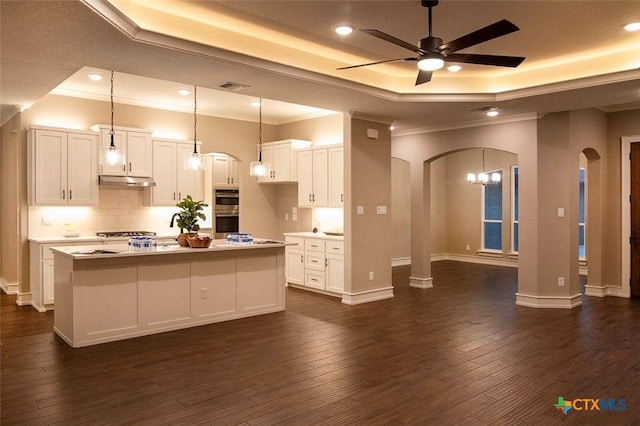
(493, 112)
(430, 64)
(634, 26)
(344, 30)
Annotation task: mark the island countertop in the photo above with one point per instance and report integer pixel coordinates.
(122, 250)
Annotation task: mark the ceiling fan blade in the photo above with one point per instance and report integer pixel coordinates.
(424, 77)
(376, 63)
(487, 33)
(496, 60)
(393, 40)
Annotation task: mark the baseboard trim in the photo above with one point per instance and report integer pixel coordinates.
(24, 299)
(367, 296)
(606, 290)
(401, 261)
(420, 282)
(512, 263)
(556, 302)
(9, 288)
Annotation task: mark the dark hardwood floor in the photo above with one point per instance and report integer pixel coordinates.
(460, 353)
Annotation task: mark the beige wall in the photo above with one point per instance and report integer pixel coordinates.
(400, 209)
(10, 244)
(367, 184)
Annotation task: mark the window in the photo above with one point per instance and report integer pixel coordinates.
(492, 214)
(582, 253)
(514, 209)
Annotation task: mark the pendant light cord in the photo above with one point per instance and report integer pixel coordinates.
(260, 133)
(195, 119)
(112, 132)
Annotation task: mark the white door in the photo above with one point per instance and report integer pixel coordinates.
(164, 173)
(295, 267)
(220, 171)
(234, 172)
(189, 182)
(335, 273)
(47, 282)
(305, 178)
(82, 169)
(50, 167)
(139, 161)
(267, 157)
(281, 167)
(336, 177)
(119, 140)
(320, 170)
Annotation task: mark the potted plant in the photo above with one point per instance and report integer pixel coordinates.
(187, 218)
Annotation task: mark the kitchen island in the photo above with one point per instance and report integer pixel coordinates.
(111, 293)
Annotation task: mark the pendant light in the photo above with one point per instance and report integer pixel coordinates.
(194, 161)
(259, 168)
(112, 155)
(484, 178)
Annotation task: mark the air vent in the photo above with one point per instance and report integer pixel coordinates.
(230, 85)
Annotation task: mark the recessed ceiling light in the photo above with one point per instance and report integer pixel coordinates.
(392, 127)
(95, 76)
(454, 68)
(634, 26)
(344, 30)
(184, 92)
(255, 104)
(493, 112)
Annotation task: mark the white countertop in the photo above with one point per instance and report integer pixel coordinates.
(91, 238)
(320, 235)
(114, 251)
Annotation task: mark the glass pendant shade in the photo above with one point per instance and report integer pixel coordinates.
(483, 177)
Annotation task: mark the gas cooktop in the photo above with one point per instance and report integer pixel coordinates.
(113, 234)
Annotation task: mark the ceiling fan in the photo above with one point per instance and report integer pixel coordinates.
(433, 53)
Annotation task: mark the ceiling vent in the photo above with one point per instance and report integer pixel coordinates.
(230, 85)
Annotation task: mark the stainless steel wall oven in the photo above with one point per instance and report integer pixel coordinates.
(226, 212)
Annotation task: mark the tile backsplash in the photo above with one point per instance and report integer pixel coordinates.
(118, 209)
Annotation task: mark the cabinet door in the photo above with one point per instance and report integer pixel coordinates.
(49, 167)
(281, 167)
(305, 178)
(234, 172)
(82, 169)
(335, 273)
(119, 140)
(164, 173)
(320, 170)
(336, 177)
(188, 181)
(268, 157)
(220, 171)
(47, 281)
(139, 154)
(295, 266)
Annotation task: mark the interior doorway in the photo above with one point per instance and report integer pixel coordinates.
(634, 199)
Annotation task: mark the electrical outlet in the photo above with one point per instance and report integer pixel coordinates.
(46, 220)
(286, 216)
(560, 281)
(203, 293)
(468, 246)
(371, 276)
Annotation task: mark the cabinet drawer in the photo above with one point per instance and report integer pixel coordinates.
(312, 244)
(46, 252)
(336, 247)
(295, 240)
(314, 280)
(314, 261)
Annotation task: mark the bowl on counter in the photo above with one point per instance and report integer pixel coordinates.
(199, 241)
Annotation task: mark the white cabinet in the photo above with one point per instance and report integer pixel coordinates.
(295, 261)
(316, 264)
(173, 181)
(41, 273)
(63, 167)
(226, 171)
(283, 158)
(137, 148)
(320, 177)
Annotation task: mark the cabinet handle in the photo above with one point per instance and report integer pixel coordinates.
(313, 197)
(342, 198)
(180, 195)
(129, 166)
(174, 196)
(326, 262)
(309, 197)
(227, 181)
(314, 245)
(64, 194)
(70, 194)
(301, 259)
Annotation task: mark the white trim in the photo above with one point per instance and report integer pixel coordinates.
(367, 296)
(605, 290)
(401, 261)
(8, 288)
(9, 113)
(315, 290)
(557, 302)
(23, 299)
(625, 235)
(416, 282)
(476, 259)
(466, 125)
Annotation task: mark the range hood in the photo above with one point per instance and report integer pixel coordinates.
(126, 181)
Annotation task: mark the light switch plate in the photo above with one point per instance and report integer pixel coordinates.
(359, 209)
(560, 212)
(381, 209)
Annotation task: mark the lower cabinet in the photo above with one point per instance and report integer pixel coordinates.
(316, 264)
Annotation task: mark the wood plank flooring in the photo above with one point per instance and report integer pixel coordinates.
(460, 353)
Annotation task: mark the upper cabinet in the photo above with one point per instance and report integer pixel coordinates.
(137, 148)
(226, 171)
(321, 177)
(283, 158)
(173, 181)
(63, 167)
